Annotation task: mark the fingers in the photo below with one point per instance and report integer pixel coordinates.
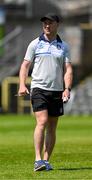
(26, 92)
(65, 99)
(65, 96)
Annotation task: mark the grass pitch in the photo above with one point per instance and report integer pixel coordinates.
(71, 158)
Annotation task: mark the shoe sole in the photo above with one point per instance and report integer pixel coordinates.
(43, 167)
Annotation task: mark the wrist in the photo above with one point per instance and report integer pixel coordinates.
(69, 89)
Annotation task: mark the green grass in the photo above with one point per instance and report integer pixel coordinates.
(71, 158)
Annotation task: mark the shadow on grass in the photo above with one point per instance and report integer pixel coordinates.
(75, 169)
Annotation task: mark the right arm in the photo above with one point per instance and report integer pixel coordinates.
(23, 74)
(24, 69)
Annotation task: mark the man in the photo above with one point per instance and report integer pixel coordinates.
(51, 83)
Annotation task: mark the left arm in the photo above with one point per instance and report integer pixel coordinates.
(68, 78)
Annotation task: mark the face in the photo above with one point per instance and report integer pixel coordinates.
(50, 27)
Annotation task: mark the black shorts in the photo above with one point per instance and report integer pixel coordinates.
(50, 100)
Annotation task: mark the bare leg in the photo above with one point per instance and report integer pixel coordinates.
(41, 118)
(50, 138)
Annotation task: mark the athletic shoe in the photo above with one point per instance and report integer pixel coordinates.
(39, 165)
(48, 166)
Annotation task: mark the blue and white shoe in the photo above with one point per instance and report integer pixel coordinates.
(48, 166)
(39, 165)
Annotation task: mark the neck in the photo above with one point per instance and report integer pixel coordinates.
(50, 37)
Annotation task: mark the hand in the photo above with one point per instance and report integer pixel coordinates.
(23, 91)
(66, 95)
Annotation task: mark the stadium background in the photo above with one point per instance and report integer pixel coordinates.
(19, 24)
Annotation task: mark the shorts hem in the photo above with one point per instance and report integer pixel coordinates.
(39, 109)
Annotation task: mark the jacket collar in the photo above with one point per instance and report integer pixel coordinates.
(41, 37)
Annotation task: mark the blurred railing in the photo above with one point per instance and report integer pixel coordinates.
(11, 53)
(10, 101)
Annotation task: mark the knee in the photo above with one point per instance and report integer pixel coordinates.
(42, 123)
(41, 118)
